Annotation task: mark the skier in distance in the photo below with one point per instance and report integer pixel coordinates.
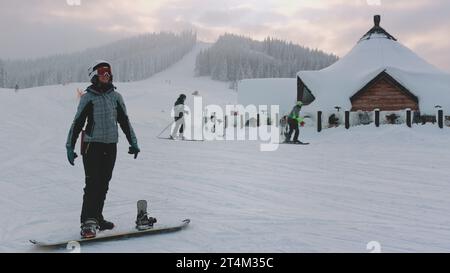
(294, 120)
(179, 117)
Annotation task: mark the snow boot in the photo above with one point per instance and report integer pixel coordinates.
(89, 229)
(105, 225)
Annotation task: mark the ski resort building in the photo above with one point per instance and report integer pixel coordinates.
(378, 73)
(273, 91)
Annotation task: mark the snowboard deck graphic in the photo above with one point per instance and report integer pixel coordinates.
(114, 236)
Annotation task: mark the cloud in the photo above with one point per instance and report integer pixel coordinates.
(337, 25)
(52, 26)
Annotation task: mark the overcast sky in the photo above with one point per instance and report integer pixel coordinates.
(35, 28)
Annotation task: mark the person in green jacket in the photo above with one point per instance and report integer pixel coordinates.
(294, 120)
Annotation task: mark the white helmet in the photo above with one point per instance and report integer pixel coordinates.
(93, 68)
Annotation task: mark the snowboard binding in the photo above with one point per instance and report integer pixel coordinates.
(143, 222)
(89, 229)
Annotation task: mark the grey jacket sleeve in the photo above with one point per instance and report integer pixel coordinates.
(124, 121)
(84, 107)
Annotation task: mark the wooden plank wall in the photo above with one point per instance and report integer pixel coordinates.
(385, 96)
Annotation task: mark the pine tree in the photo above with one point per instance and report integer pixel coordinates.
(2, 75)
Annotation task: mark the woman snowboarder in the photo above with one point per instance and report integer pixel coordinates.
(103, 108)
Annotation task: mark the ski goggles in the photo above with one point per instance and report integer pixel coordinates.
(104, 71)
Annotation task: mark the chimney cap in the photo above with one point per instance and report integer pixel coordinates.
(377, 29)
(377, 20)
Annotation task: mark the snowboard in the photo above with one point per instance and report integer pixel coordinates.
(157, 229)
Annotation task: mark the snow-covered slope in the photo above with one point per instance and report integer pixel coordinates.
(344, 190)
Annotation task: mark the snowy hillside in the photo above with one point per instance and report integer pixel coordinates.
(134, 58)
(233, 58)
(346, 189)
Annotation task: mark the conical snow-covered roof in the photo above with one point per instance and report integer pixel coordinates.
(377, 51)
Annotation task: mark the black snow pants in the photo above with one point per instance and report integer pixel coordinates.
(293, 126)
(98, 161)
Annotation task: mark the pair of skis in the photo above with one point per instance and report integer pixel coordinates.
(176, 139)
(295, 143)
(140, 230)
(290, 142)
(168, 138)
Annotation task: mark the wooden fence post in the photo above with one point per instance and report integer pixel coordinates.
(347, 119)
(377, 117)
(441, 119)
(319, 121)
(408, 118)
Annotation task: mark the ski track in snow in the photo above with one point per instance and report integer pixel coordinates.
(345, 189)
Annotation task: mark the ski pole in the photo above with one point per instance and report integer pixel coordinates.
(165, 129)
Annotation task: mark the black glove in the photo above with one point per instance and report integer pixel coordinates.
(71, 155)
(134, 150)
